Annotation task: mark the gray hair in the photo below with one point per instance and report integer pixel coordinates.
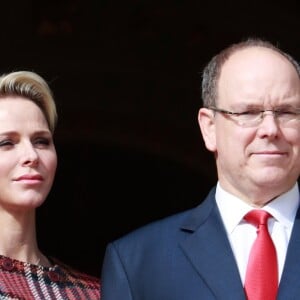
(212, 70)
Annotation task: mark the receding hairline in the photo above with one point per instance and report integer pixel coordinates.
(260, 48)
(263, 47)
(212, 71)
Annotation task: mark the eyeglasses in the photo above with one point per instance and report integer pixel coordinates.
(254, 117)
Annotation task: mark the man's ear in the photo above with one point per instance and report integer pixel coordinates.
(206, 121)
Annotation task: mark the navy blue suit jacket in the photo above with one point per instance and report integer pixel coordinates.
(185, 257)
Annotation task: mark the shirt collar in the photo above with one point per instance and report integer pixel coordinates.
(233, 209)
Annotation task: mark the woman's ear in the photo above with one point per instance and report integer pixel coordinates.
(206, 121)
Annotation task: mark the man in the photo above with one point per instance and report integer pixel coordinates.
(250, 120)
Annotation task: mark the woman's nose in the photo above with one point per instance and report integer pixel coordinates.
(30, 156)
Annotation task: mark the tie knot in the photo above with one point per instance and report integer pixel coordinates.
(257, 217)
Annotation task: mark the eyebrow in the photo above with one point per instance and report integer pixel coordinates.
(262, 107)
(14, 132)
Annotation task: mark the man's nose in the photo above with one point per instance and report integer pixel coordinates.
(268, 125)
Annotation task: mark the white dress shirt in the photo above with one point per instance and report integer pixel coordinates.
(242, 234)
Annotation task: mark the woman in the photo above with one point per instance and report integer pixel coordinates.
(28, 164)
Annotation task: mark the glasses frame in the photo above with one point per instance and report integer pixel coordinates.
(257, 120)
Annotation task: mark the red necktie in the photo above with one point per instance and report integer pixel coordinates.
(261, 281)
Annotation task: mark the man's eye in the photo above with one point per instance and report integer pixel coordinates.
(6, 143)
(250, 112)
(285, 112)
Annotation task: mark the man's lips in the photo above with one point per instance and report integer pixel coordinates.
(269, 155)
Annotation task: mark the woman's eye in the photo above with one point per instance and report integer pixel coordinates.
(42, 141)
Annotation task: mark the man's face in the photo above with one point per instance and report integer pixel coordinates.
(263, 160)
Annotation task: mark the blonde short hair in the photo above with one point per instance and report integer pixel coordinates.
(31, 86)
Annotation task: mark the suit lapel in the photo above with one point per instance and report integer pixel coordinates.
(289, 287)
(209, 251)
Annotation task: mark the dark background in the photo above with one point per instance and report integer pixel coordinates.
(126, 77)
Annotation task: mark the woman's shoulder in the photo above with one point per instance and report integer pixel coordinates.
(77, 279)
(74, 274)
(22, 280)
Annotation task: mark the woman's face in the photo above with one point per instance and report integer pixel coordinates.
(27, 155)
